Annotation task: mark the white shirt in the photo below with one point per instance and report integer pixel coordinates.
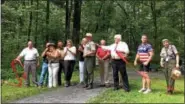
(69, 55)
(29, 54)
(122, 46)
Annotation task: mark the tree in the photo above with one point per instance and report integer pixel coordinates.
(30, 22)
(47, 19)
(76, 21)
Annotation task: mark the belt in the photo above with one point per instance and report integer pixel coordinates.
(29, 60)
(89, 56)
(116, 58)
(53, 62)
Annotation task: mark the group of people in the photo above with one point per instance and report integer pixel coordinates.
(58, 59)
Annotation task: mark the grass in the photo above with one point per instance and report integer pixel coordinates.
(158, 94)
(10, 93)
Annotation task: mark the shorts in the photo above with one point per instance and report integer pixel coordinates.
(145, 68)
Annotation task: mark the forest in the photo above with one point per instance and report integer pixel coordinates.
(53, 20)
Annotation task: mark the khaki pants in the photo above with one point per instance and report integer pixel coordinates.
(30, 66)
(89, 65)
(104, 71)
(168, 66)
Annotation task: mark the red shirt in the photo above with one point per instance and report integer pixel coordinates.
(101, 53)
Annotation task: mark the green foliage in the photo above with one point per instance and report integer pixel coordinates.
(103, 19)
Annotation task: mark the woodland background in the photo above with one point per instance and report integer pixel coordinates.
(52, 20)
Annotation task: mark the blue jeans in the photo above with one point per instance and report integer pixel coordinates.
(43, 73)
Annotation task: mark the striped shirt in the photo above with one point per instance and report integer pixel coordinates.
(143, 52)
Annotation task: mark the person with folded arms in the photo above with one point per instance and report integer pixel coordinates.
(104, 60)
(69, 61)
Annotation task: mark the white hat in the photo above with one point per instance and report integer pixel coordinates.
(175, 74)
(118, 36)
(164, 40)
(89, 34)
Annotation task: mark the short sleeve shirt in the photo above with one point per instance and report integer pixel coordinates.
(143, 51)
(69, 55)
(121, 46)
(90, 46)
(170, 52)
(29, 54)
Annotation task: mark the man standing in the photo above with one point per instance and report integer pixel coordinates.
(104, 59)
(117, 49)
(144, 55)
(169, 61)
(31, 62)
(89, 55)
(61, 61)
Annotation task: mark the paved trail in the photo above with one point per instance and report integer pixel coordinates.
(75, 94)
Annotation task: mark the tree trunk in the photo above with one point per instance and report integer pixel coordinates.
(36, 24)
(2, 1)
(153, 5)
(97, 15)
(76, 21)
(67, 25)
(47, 20)
(30, 23)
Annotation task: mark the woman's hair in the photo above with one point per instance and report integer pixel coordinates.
(70, 41)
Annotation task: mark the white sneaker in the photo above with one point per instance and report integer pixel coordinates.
(142, 90)
(147, 91)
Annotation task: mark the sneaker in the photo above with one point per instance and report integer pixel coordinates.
(142, 90)
(147, 91)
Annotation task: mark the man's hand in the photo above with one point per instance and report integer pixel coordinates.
(98, 45)
(135, 63)
(100, 58)
(162, 65)
(17, 59)
(88, 53)
(80, 48)
(84, 55)
(177, 66)
(145, 63)
(38, 64)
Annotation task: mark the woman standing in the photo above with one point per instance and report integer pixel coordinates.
(81, 60)
(169, 60)
(69, 61)
(53, 56)
(144, 54)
